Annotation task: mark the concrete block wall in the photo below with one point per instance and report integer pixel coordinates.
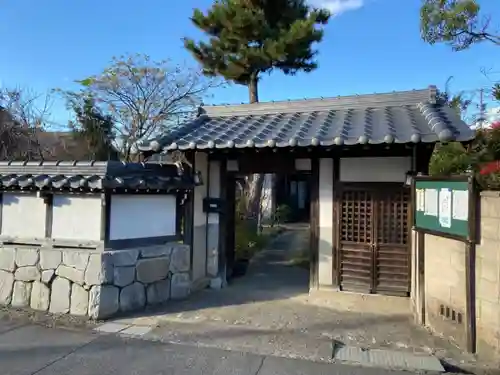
(445, 282)
(90, 283)
(488, 277)
(445, 298)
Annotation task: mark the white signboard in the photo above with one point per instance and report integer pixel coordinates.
(445, 208)
(431, 202)
(460, 205)
(420, 196)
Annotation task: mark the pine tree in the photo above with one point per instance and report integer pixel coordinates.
(252, 37)
(95, 130)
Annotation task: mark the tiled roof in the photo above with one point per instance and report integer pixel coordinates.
(398, 117)
(92, 176)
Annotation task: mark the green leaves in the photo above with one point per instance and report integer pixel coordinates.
(250, 37)
(87, 82)
(94, 130)
(455, 22)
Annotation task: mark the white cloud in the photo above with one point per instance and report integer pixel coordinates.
(491, 115)
(338, 6)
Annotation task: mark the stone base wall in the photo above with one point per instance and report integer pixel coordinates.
(91, 283)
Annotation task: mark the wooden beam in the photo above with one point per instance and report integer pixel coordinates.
(335, 225)
(223, 221)
(105, 217)
(470, 268)
(314, 226)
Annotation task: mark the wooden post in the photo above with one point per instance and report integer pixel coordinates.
(179, 214)
(223, 220)
(470, 271)
(49, 213)
(314, 225)
(420, 277)
(105, 217)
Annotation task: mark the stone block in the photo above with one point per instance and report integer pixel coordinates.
(158, 292)
(216, 283)
(50, 259)
(6, 286)
(156, 251)
(490, 204)
(487, 290)
(122, 258)
(124, 276)
(47, 276)
(180, 260)
(7, 259)
(180, 286)
(488, 270)
(103, 301)
(152, 269)
(489, 314)
(488, 249)
(99, 270)
(76, 259)
(79, 300)
(40, 296)
(27, 257)
(132, 297)
(490, 228)
(70, 273)
(60, 296)
(29, 273)
(21, 294)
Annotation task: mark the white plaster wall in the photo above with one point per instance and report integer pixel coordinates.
(23, 215)
(142, 216)
(76, 217)
(200, 219)
(303, 164)
(375, 169)
(325, 246)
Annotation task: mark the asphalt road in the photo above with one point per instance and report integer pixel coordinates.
(32, 349)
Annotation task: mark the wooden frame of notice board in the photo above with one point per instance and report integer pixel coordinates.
(445, 206)
(429, 217)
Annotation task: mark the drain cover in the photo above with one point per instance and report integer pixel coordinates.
(385, 358)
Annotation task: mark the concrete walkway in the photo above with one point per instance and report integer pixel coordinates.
(270, 312)
(31, 349)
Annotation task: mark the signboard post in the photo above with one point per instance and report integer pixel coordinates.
(446, 207)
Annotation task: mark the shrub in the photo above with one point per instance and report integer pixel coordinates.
(282, 214)
(481, 158)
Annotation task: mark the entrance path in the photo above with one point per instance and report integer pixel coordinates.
(270, 312)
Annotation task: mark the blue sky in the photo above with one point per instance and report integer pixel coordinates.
(373, 46)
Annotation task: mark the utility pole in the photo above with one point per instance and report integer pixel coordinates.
(482, 108)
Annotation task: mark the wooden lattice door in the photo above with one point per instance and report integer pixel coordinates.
(392, 250)
(372, 238)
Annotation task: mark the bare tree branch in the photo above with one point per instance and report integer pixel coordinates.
(144, 97)
(23, 115)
